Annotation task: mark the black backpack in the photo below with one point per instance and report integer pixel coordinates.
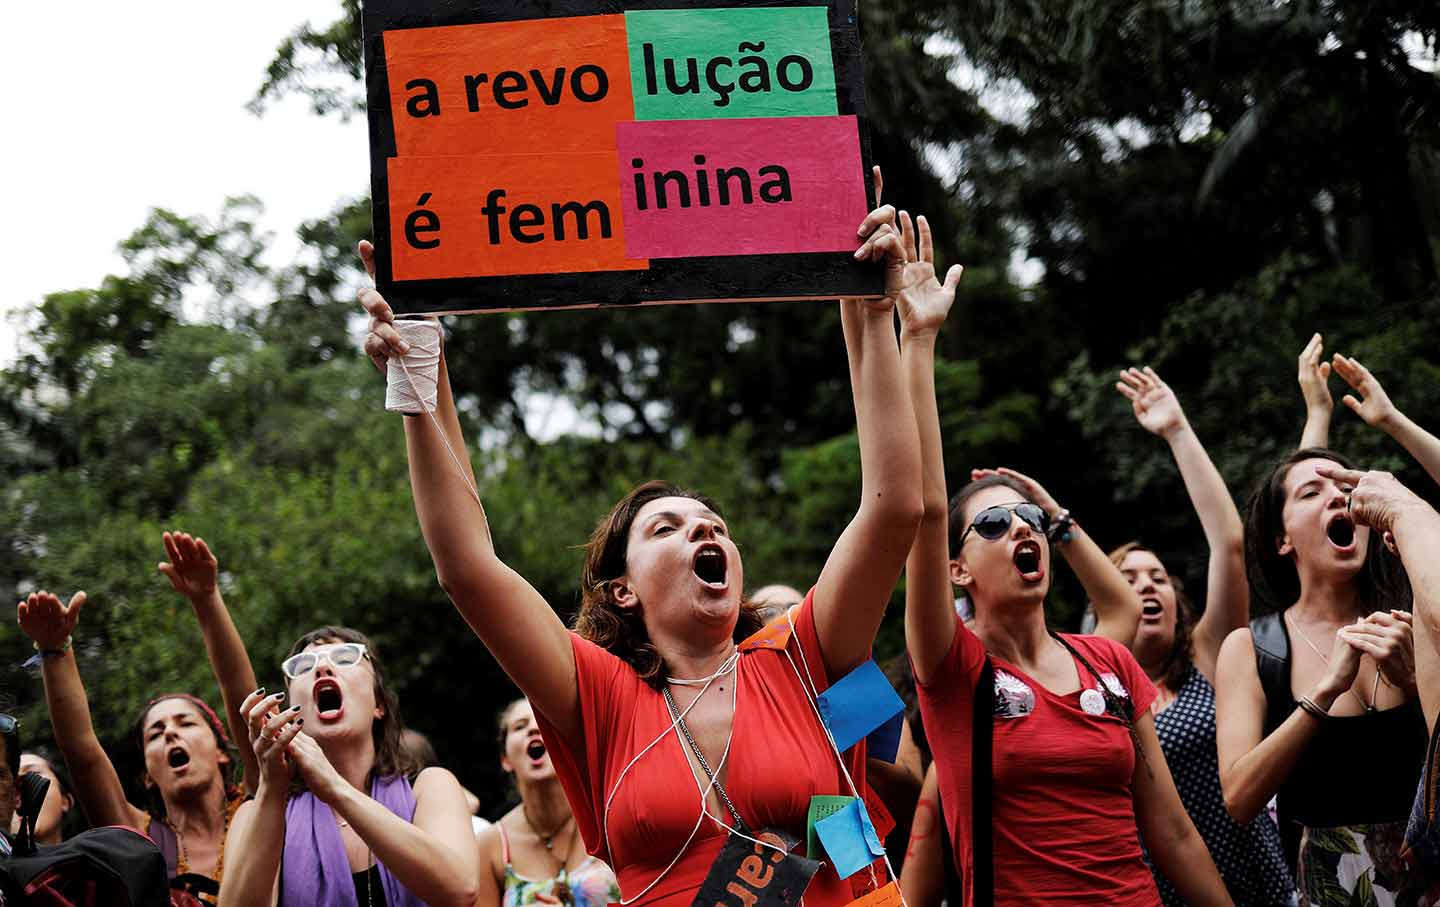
(103, 867)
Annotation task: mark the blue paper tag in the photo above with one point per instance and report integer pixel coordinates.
(884, 742)
(849, 839)
(858, 703)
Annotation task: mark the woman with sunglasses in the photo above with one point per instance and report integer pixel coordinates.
(1063, 721)
(1178, 653)
(1326, 678)
(336, 820)
(665, 734)
(530, 856)
(188, 757)
(1114, 607)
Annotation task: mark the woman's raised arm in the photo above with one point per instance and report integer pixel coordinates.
(1319, 405)
(859, 575)
(514, 621)
(49, 623)
(929, 600)
(1227, 593)
(193, 570)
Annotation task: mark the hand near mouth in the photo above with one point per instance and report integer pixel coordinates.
(1377, 499)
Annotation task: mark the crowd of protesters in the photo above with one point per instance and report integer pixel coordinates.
(1272, 743)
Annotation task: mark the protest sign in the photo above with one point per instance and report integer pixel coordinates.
(582, 152)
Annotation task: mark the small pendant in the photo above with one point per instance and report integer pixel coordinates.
(549, 843)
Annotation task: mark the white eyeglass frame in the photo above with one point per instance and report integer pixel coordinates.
(323, 655)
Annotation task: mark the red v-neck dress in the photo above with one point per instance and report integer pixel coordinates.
(779, 758)
(1064, 812)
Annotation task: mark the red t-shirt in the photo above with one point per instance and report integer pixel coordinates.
(1064, 810)
(779, 758)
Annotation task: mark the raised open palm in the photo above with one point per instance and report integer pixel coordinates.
(1156, 407)
(923, 300)
(46, 620)
(191, 568)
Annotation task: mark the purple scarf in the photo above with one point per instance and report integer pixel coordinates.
(314, 869)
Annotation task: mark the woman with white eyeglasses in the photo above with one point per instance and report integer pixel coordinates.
(341, 817)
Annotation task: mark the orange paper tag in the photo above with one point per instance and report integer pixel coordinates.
(774, 635)
(889, 896)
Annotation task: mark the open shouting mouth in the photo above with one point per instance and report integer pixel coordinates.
(710, 566)
(329, 702)
(1028, 562)
(1341, 532)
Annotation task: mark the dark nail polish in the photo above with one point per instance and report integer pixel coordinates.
(299, 721)
(259, 692)
(294, 708)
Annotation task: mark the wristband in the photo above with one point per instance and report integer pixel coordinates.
(1311, 707)
(54, 653)
(1061, 530)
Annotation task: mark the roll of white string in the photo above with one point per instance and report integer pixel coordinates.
(410, 383)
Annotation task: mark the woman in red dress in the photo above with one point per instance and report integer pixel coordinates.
(655, 795)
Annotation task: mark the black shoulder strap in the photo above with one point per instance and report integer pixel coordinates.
(982, 778)
(1272, 662)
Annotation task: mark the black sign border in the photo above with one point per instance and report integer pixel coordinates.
(728, 278)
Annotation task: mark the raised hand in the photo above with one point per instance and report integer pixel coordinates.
(271, 730)
(1033, 489)
(923, 301)
(1314, 375)
(880, 241)
(1374, 406)
(1156, 407)
(190, 567)
(48, 622)
(382, 340)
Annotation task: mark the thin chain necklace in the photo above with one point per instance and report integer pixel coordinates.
(1374, 691)
(548, 840)
(561, 888)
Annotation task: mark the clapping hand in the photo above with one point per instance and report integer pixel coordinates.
(271, 730)
(1387, 637)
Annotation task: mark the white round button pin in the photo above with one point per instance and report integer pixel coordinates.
(1092, 703)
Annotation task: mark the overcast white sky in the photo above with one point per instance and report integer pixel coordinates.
(116, 108)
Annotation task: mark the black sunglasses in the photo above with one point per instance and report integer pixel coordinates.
(993, 522)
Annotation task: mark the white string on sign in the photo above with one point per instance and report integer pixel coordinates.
(413, 392)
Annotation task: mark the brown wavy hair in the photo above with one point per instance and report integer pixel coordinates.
(1182, 648)
(621, 631)
(392, 757)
